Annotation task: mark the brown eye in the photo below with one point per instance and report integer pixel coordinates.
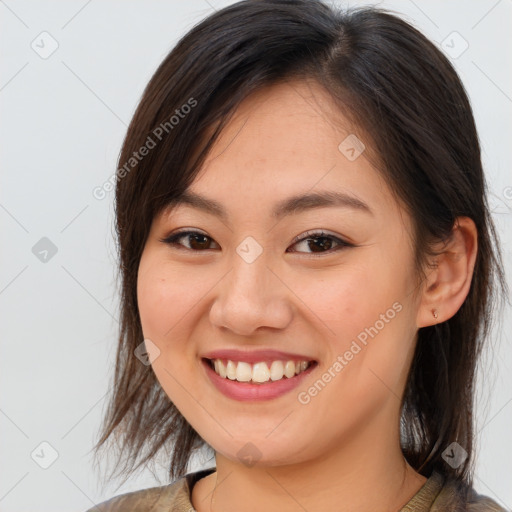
(196, 241)
(320, 242)
(316, 242)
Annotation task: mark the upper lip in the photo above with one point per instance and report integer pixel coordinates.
(255, 356)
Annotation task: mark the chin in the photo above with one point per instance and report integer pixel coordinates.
(254, 451)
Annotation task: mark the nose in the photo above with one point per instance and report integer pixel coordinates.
(250, 297)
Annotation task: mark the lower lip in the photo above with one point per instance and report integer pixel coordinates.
(244, 391)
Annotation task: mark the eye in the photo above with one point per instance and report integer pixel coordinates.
(317, 241)
(321, 242)
(197, 240)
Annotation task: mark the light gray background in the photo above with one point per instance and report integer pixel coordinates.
(63, 119)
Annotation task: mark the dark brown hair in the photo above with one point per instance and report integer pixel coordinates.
(413, 113)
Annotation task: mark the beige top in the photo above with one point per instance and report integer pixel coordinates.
(436, 495)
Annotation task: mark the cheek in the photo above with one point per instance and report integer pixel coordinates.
(347, 299)
(164, 296)
(366, 326)
(366, 317)
(166, 300)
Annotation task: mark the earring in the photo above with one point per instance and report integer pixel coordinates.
(434, 312)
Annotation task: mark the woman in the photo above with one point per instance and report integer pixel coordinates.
(308, 266)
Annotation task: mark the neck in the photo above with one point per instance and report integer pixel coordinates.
(367, 473)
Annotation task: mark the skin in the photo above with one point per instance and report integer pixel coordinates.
(340, 451)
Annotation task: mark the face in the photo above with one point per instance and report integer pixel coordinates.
(330, 284)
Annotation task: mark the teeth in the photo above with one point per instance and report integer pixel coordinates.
(231, 370)
(289, 369)
(221, 369)
(259, 372)
(276, 370)
(243, 372)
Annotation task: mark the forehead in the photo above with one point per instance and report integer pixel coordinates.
(284, 141)
(278, 120)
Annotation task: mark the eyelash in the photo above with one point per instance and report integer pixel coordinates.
(173, 238)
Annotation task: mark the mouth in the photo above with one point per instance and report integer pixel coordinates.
(258, 380)
(261, 372)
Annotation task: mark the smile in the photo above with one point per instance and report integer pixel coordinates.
(260, 372)
(264, 380)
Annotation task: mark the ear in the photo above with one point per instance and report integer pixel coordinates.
(448, 283)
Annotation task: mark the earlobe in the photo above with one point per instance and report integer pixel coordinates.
(448, 283)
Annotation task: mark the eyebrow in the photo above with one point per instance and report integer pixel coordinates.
(292, 205)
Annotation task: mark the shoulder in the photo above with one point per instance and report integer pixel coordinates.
(174, 497)
(454, 496)
(154, 499)
(481, 503)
